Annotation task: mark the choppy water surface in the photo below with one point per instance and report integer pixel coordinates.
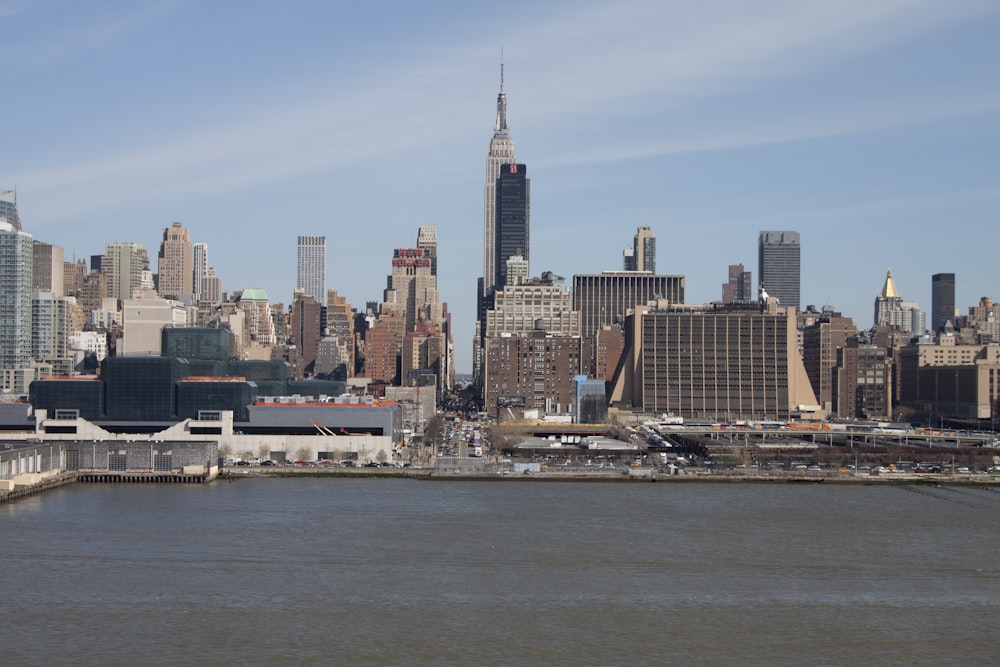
(408, 572)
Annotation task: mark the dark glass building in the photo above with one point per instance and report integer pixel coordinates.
(591, 402)
(195, 343)
(84, 395)
(942, 299)
(271, 377)
(215, 394)
(512, 221)
(142, 388)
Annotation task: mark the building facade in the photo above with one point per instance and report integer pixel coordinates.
(820, 342)
(739, 287)
(306, 329)
(606, 298)
(862, 382)
(501, 152)
(512, 229)
(340, 327)
(427, 241)
(950, 379)
(892, 312)
(382, 351)
(8, 209)
(199, 254)
(51, 317)
(124, 266)
(779, 266)
(16, 257)
(524, 309)
(175, 265)
(312, 267)
(728, 362)
(47, 269)
(531, 372)
(942, 299)
(644, 250)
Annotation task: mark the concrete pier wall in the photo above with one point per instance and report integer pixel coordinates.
(26, 465)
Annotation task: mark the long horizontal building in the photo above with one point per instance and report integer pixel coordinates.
(606, 298)
(279, 431)
(713, 361)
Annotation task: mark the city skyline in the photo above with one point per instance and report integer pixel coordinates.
(871, 131)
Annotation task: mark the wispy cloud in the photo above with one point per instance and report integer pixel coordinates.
(671, 52)
(613, 61)
(85, 28)
(823, 124)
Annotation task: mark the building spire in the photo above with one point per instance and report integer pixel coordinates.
(501, 102)
(889, 288)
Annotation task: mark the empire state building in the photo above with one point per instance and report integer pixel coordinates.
(501, 152)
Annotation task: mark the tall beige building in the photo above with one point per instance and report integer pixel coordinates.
(412, 288)
(176, 264)
(644, 248)
(74, 274)
(124, 265)
(412, 311)
(200, 270)
(211, 287)
(47, 268)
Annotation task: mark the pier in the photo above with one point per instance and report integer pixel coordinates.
(27, 468)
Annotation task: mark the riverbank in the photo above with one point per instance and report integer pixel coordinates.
(619, 475)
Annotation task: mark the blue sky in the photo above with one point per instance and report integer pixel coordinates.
(872, 128)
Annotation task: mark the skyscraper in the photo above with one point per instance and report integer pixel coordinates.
(942, 299)
(892, 311)
(427, 241)
(501, 152)
(644, 250)
(512, 229)
(642, 255)
(312, 267)
(8, 208)
(778, 255)
(175, 264)
(606, 298)
(739, 288)
(200, 270)
(628, 259)
(412, 288)
(211, 287)
(47, 269)
(125, 265)
(16, 256)
(820, 342)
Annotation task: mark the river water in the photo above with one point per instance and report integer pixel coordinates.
(414, 572)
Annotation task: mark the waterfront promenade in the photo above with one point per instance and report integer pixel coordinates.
(455, 471)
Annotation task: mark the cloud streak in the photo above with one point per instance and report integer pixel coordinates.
(614, 62)
(87, 31)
